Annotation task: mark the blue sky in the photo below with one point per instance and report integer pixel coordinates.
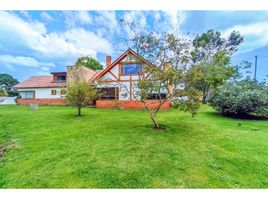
(39, 42)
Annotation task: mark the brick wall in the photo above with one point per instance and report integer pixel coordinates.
(128, 104)
(53, 102)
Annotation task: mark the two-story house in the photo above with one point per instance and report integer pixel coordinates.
(117, 84)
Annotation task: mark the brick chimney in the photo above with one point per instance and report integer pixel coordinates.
(108, 60)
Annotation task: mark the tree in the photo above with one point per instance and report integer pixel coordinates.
(213, 73)
(3, 93)
(89, 62)
(211, 56)
(80, 94)
(166, 57)
(7, 82)
(241, 98)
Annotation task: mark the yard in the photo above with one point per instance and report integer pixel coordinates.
(52, 148)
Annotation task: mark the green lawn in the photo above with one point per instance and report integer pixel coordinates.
(52, 148)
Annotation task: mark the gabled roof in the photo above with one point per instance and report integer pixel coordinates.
(40, 82)
(131, 51)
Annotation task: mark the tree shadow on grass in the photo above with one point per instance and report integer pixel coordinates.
(233, 116)
(165, 128)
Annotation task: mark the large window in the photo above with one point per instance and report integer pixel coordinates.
(110, 93)
(27, 94)
(132, 69)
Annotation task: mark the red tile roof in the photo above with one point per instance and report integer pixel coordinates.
(40, 82)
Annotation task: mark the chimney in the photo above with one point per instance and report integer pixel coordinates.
(108, 60)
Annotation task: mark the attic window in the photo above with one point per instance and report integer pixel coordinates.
(129, 69)
(61, 78)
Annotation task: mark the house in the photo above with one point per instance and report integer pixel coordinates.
(117, 86)
(48, 90)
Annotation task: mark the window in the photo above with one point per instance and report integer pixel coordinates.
(62, 92)
(27, 94)
(132, 69)
(53, 92)
(155, 96)
(109, 93)
(61, 78)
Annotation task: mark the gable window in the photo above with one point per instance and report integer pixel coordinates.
(61, 78)
(53, 92)
(129, 69)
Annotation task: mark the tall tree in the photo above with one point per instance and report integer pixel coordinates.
(7, 82)
(80, 94)
(213, 73)
(89, 62)
(211, 56)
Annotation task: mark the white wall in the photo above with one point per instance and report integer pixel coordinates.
(44, 93)
(124, 86)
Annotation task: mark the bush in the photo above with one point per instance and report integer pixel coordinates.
(241, 98)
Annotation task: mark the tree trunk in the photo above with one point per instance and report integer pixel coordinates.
(79, 111)
(204, 99)
(153, 118)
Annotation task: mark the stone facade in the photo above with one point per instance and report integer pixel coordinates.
(80, 73)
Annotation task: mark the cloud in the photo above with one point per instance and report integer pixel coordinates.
(174, 19)
(84, 17)
(107, 19)
(75, 18)
(255, 34)
(138, 17)
(35, 37)
(161, 21)
(83, 39)
(46, 17)
(24, 61)
(25, 14)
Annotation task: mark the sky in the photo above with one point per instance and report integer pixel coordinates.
(40, 42)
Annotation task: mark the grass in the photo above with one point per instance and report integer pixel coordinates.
(52, 148)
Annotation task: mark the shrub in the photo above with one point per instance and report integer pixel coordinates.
(80, 94)
(241, 98)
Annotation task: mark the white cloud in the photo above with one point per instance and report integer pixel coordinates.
(174, 19)
(45, 68)
(138, 17)
(24, 61)
(84, 40)
(162, 21)
(84, 17)
(25, 14)
(255, 35)
(107, 19)
(46, 17)
(34, 36)
(75, 18)
(157, 16)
